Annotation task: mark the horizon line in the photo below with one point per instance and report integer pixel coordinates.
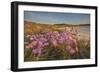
(54, 23)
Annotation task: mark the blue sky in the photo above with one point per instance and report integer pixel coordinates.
(56, 17)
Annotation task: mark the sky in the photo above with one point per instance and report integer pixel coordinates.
(56, 17)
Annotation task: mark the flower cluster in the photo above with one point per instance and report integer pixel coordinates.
(38, 41)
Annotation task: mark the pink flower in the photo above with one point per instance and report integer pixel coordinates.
(71, 50)
(42, 39)
(37, 52)
(53, 41)
(29, 46)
